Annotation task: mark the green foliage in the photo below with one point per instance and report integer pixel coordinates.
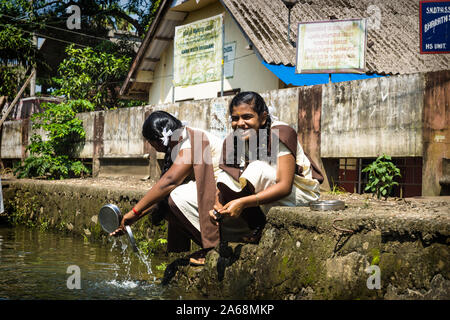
(16, 53)
(381, 176)
(375, 257)
(8, 81)
(92, 75)
(52, 156)
(22, 211)
(162, 266)
(149, 246)
(99, 83)
(16, 45)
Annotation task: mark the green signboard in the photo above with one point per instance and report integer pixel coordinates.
(198, 52)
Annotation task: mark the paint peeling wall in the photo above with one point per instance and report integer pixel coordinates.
(436, 133)
(11, 146)
(117, 134)
(402, 116)
(371, 117)
(122, 135)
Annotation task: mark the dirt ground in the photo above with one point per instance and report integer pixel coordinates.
(425, 207)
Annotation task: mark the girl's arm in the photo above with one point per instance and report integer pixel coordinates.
(282, 188)
(179, 170)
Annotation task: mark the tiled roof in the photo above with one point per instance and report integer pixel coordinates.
(392, 44)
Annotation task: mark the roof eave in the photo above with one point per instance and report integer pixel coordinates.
(148, 37)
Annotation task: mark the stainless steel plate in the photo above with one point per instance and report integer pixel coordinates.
(324, 205)
(109, 217)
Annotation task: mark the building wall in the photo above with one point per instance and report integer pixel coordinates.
(436, 133)
(371, 117)
(249, 73)
(403, 116)
(11, 144)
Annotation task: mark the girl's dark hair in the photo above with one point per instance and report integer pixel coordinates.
(259, 106)
(152, 130)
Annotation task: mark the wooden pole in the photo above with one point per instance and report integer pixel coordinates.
(5, 115)
(2, 100)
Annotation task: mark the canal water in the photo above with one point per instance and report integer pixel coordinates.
(43, 265)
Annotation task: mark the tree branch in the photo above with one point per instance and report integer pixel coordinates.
(120, 14)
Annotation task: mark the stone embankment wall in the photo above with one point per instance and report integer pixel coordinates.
(62, 207)
(302, 254)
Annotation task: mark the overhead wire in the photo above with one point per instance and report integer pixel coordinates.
(56, 28)
(45, 36)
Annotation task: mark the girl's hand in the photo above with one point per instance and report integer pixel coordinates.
(127, 220)
(217, 207)
(233, 208)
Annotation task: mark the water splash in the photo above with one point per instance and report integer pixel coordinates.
(146, 261)
(126, 284)
(126, 261)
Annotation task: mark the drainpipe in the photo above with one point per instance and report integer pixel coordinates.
(223, 47)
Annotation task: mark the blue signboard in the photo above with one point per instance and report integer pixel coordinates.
(434, 26)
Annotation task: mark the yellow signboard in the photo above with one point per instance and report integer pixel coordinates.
(331, 46)
(198, 52)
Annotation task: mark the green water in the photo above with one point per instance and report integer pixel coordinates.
(45, 265)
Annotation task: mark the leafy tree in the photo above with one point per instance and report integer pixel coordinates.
(17, 53)
(19, 19)
(54, 156)
(94, 76)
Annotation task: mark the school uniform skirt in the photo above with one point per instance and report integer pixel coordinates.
(258, 176)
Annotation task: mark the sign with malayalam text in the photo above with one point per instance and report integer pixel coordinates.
(198, 52)
(229, 53)
(434, 26)
(331, 46)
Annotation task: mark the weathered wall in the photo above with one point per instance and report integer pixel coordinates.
(73, 208)
(436, 131)
(309, 125)
(401, 116)
(371, 117)
(11, 147)
(114, 138)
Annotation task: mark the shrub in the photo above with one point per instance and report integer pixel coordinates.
(381, 176)
(53, 156)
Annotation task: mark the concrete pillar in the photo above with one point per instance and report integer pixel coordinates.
(98, 150)
(436, 131)
(309, 118)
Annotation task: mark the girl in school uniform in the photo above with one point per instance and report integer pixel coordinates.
(188, 152)
(263, 166)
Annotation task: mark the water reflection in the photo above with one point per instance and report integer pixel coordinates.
(34, 265)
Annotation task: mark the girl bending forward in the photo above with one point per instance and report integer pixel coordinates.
(188, 153)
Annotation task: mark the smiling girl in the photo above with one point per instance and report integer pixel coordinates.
(263, 166)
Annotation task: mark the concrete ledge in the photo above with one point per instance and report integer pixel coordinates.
(65, 207)
(302, 256)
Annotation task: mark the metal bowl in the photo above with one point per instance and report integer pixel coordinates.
(110, 218)
(324, 205)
